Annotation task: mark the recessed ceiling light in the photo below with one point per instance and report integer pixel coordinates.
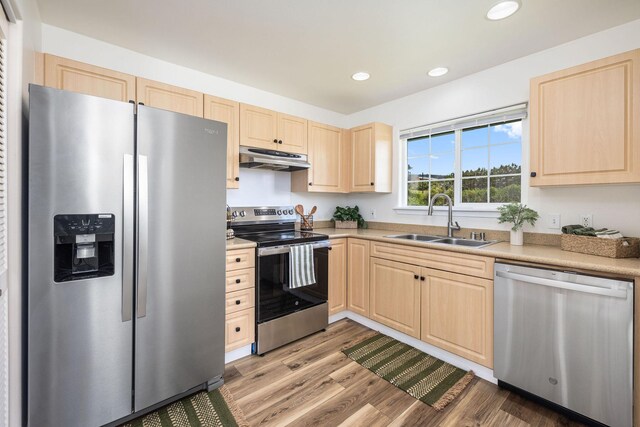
(502, 10)
(360, 76)
(437, 72)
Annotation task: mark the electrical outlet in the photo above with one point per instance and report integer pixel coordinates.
(586, 220)
(554, 221)
(372, 213)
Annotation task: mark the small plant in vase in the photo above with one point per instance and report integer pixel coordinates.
(348, 217)
(517, 214)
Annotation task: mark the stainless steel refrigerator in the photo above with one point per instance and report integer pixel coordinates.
(126, 245)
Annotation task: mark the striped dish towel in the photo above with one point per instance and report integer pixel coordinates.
(301, 269)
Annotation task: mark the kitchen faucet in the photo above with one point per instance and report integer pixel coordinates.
(450, 226)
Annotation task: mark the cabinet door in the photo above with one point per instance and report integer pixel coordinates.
(226, 111)
(239, 329)
(168, 97)
(292, 131)
(362, 159)
(338, 276)
(258, 127)
(74, 76)
(326, 156)
(457, 314)
(583, 129)
(395, 295)
(358, 276)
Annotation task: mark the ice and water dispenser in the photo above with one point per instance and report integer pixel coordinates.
(84, 246)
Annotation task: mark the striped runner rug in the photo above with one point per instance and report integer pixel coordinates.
(424, 377)
(213, 409)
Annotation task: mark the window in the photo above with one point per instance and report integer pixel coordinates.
(475, 161)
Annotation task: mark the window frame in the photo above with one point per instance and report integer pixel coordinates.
(458, 205)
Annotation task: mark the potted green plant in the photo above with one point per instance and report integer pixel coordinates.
(517, 214)
(348, 217)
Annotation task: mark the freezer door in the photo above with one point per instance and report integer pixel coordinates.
(181, 250)
(80, 332)
(567, 338)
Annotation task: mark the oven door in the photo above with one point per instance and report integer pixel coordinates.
(275, 299)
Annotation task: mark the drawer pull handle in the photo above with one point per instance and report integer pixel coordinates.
(237, 302)
(237, 328)
(238, 260)
(238, 280)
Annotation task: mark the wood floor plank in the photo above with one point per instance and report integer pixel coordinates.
(368, 416)
(311, 382)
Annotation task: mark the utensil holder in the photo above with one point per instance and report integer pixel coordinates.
(306, 222)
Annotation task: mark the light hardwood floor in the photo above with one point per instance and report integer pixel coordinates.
(311, 383)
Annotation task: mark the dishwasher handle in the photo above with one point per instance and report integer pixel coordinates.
(608, 292)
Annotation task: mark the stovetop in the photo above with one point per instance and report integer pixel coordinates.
(287, 237)
(270, 226)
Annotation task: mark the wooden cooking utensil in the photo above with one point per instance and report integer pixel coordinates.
(300, 211)
(313, 210)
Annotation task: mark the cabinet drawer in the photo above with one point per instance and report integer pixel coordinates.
(238, 259)
(239, 329)
(240, 300)
(455, 262)
(241, 279)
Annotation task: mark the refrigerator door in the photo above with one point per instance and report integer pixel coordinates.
(80, 331)
(179, 340)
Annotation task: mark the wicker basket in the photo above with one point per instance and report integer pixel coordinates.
(346, 224)
(612, 248)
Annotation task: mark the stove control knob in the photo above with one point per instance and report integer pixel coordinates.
(234, 214)
(243, 214)
(279, 212)
(290, 211)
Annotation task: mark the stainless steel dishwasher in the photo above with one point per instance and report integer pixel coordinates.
(567, 338)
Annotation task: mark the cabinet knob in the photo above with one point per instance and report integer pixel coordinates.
(275, 140)
(415, 276)
(372, 183)
(237, 302)
(330, 248)
(533, 174)
(310, 184)
(238, 260)
(422, 278)
(237, 178)
(237, 328)
(238, 280)
(280, 142)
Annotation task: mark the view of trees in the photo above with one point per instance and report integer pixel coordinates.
(503, 189)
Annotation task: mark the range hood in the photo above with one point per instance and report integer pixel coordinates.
(260, 158)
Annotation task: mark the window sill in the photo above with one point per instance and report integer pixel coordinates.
(466, 211)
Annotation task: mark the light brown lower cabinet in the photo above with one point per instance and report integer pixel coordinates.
(240, 322)
(358, 276)
(338, 276)
(395, 295)
(457, 314)
(239, 329)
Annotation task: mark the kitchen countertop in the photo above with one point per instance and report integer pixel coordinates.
(548, 255)
(237, 243)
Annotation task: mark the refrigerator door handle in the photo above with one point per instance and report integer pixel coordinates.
(127, 237)
(143, 235)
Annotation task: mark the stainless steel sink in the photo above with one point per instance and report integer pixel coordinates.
(417, 237)
(444, 240)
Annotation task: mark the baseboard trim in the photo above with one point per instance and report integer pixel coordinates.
(236, 354)
(480, 371)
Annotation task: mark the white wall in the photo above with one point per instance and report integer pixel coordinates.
(256, 187)
(507, 84)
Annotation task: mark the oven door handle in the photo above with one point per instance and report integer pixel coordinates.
(275, 250)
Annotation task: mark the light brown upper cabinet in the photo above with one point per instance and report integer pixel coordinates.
(168, 97)
(74, 76)
(226, 111)
(585, 127)
(358, 276)
(326, 151)
(338, 276)
(395, 295)
(263, 128)
(371, 158)
(457, 314)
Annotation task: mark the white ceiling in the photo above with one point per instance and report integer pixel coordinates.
(307, 50)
